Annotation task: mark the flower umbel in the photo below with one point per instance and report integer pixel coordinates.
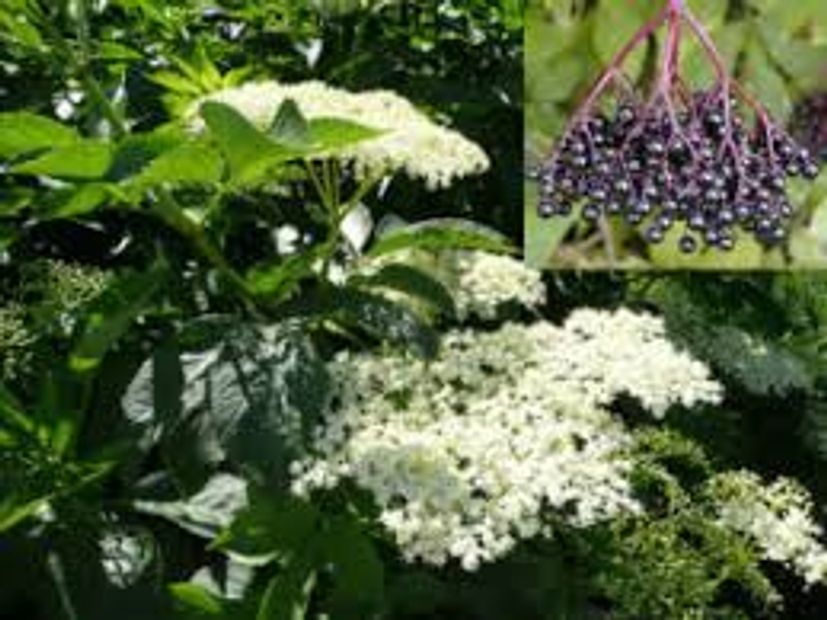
(488, 281)
(778, 518)
(467, 455)
(412, 142)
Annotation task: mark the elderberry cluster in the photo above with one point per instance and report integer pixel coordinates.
(696, 168)
(809, 124)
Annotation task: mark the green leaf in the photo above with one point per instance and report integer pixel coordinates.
(117, 52)
(249, 398)
(410, 281)
(83, 200)
(11, 414)
(442, 234)
(15, 509)
(189, 163)
(542, 237)
(289, 126)
(135, 152)
(766, 83)
(288, 594)
(747, 254)
(197, 602)
(271, 527)
(207, 512)
(614, 24)
(382, 319)
(329, 135)
(82, 160)
(23, 132)
(358, 589)
(248, 151)
(20, 30)
(20, 503)
(176, 82)
(277, 280)
(111, 315)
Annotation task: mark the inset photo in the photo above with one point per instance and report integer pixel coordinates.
(676, 134)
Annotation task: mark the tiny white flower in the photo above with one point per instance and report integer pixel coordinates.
(411, 143)
(464, 455)
(777, 517)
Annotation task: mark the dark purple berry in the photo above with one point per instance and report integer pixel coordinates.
(687, 244)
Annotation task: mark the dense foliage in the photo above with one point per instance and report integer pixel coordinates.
(256, 366)
(676, 112)
(177, 268)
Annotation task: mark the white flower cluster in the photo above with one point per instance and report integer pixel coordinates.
(411, 141)
(466, 454)
(487, 281)
(777, 517)
(607, 354)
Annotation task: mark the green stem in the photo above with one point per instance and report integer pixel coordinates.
(319, 186)
(58, 575)
(367, 184)
(109, 111)
(173, 214)
(339, 215)
(82, 29)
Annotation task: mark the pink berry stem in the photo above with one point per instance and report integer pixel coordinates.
(727, 83)
(615, 66)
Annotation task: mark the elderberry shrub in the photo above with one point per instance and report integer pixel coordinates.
(696, 168)
(809, 124)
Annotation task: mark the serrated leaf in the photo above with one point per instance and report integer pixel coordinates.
(176, 82)
(250, 398)
(410, 281)
(277, 280)
(23, 132)
(197, 601)
(134, 152)
(186, 164)
(442, 234)
(270, 527)
(289, 126)
(288, 594)
(82, 160)
(117, 52)
(329, 135)
(382, 319)
(248, 151)
(85, 199)
(206, 513)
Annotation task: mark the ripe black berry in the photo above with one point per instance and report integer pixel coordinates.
(688, 244)
(670, 156)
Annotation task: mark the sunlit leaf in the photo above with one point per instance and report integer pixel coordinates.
(82, 160)
(24, 132)
(442, 234)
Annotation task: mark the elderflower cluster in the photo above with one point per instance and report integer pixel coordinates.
(604, 352)
(465, 455)
(777, 517)
(487, 281)
(410, 140)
